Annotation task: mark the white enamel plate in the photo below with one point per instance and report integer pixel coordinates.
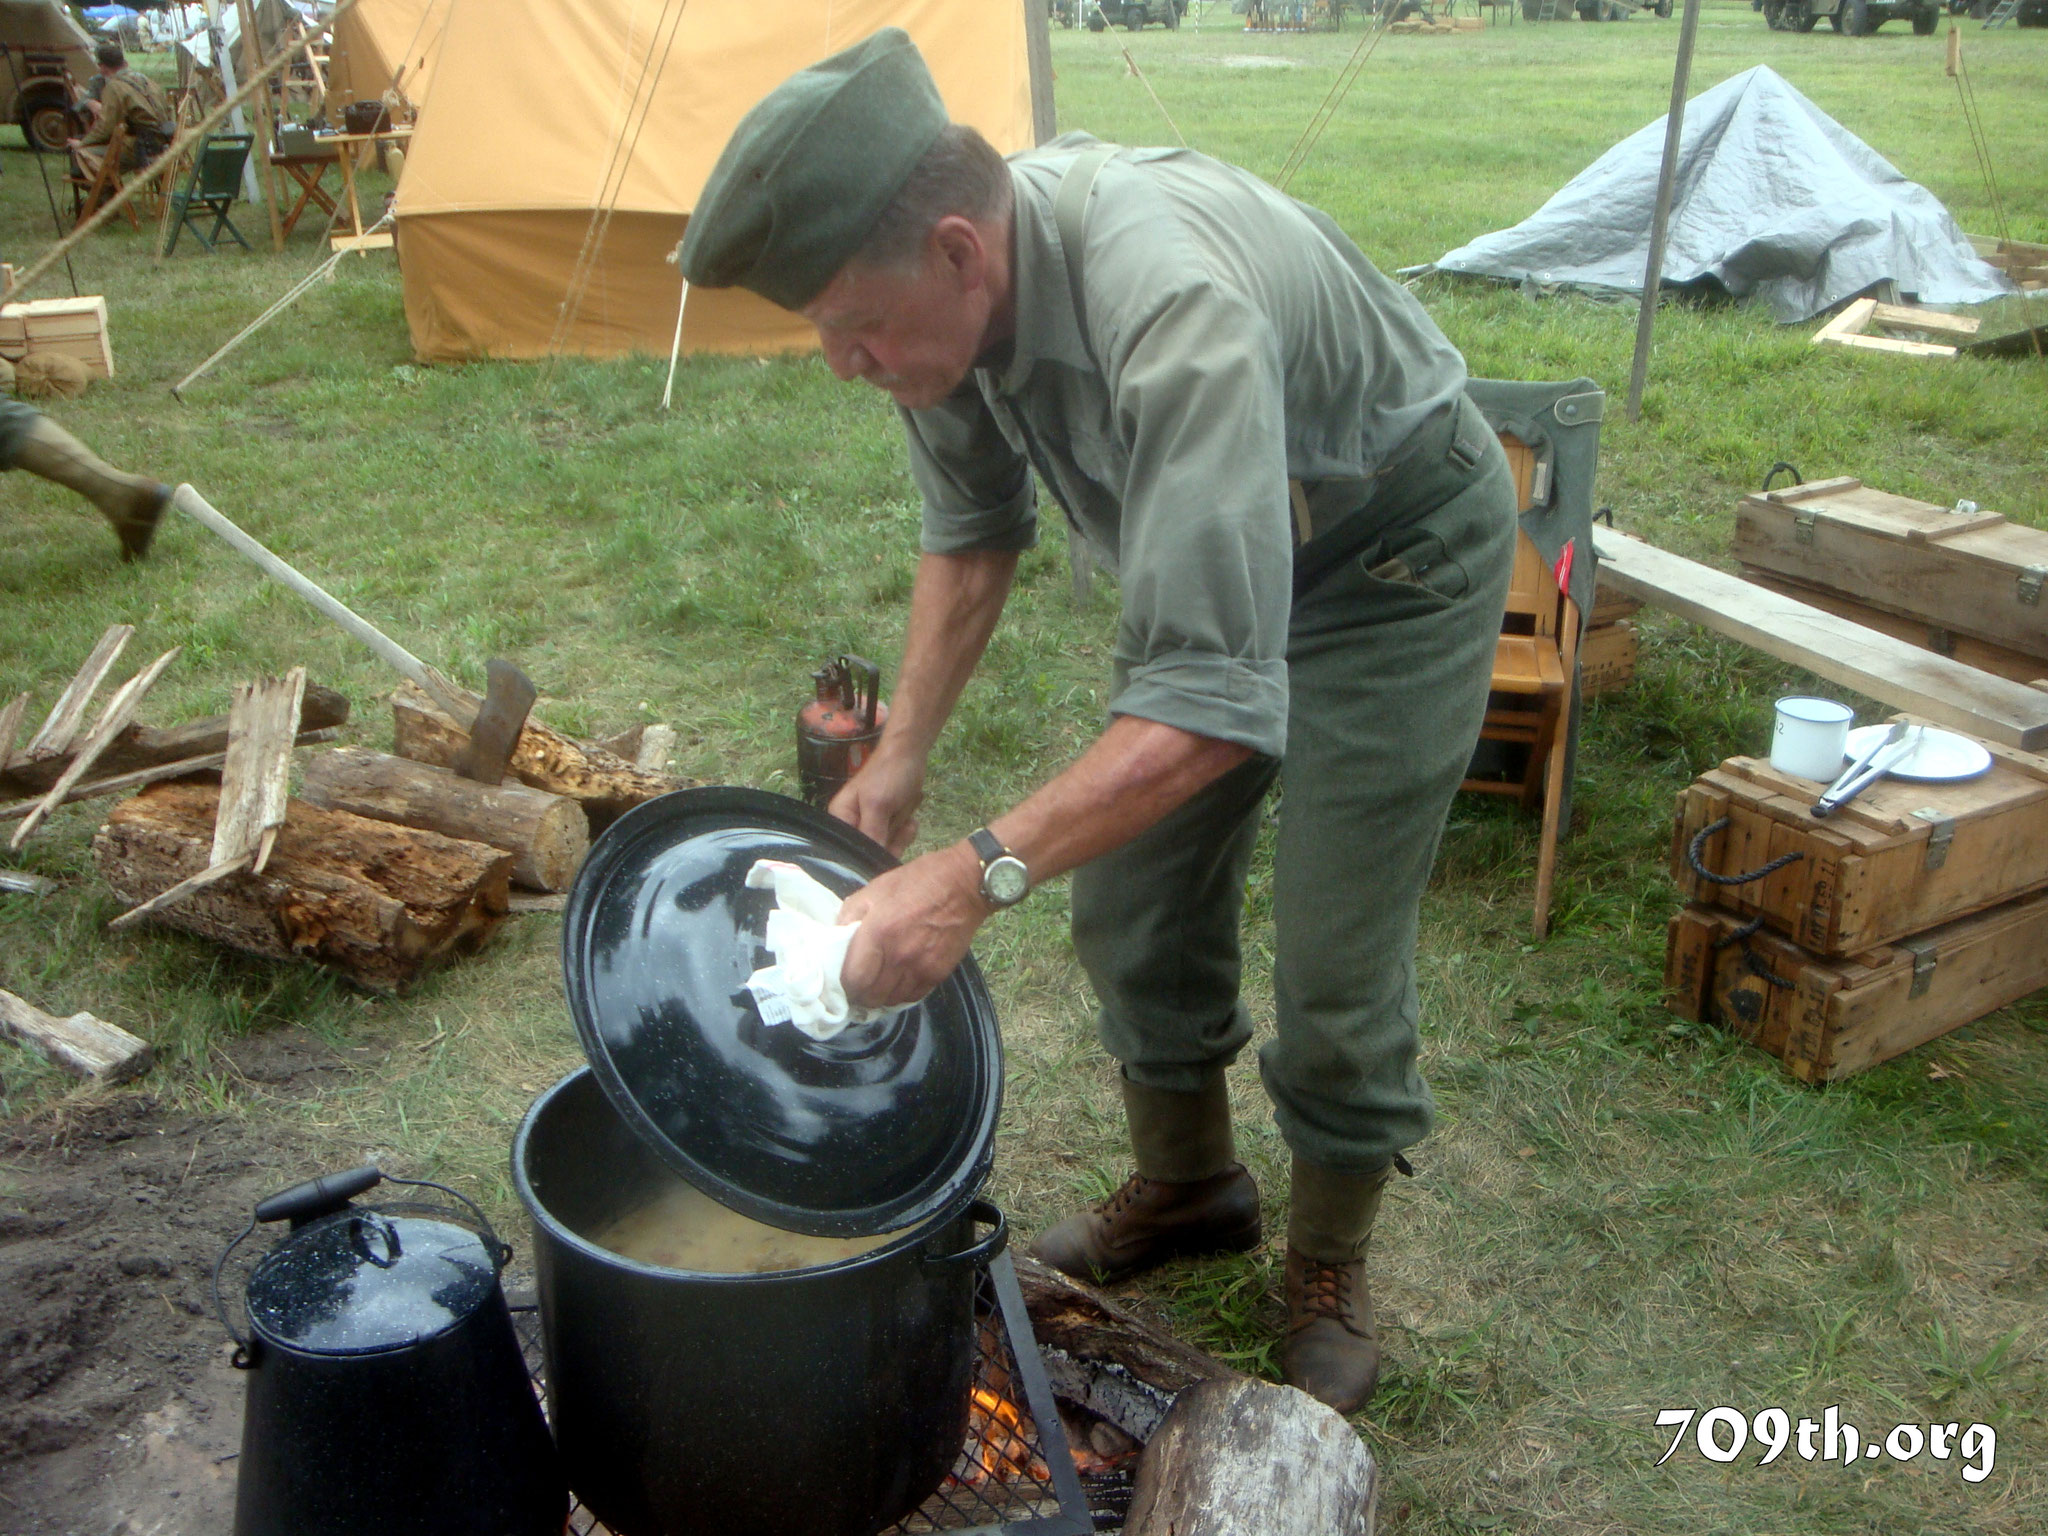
(1939, 757)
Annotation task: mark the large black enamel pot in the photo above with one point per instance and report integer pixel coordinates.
(828, 1401)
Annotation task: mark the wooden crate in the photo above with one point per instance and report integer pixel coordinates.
(1825, 1019)
(76, 327)
(1607, 658)
(1898, 859)
(1970, 573)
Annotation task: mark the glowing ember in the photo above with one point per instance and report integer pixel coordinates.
(1001, 1435)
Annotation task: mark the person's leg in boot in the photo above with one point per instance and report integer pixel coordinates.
(1332, 1350)
(1155, 926)
(131, 503)
(1388, 681)
(1190, 1195)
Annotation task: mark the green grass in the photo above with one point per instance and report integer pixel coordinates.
(1620, 1213)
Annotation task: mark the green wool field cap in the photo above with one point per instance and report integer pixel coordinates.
(810, 169)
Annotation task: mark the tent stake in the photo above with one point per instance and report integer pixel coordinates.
(1660, 221)
(675, 348)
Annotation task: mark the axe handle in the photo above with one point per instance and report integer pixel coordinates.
(396, 656)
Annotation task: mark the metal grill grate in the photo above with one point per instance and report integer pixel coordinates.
(1038, 1493)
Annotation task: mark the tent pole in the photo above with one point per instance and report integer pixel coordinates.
(1038, 51)
(1660, 221)
(675, 349)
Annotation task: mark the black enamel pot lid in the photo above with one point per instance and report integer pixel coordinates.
(880, 1128)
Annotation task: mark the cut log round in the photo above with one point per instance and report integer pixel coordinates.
(1243, 1455)
(379, 903)
(547, 835)
(606, 785)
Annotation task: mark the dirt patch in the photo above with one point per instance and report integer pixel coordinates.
(119, 1412)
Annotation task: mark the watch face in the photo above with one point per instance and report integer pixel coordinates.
(1005, 881)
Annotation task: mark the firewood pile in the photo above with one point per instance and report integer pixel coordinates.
(384, 865)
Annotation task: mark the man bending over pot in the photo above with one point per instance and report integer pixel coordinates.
(1270, 442)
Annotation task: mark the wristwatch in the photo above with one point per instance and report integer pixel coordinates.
(1004, 879)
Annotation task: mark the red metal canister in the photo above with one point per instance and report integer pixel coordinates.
(837, 730)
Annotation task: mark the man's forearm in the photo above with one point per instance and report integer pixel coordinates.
(1136, 772)
(953, 611)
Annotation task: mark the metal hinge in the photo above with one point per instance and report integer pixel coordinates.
(1940, 833)
(1924, 956)
(2030, 584)
(1802, 527)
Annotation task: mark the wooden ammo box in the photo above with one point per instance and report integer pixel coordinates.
(1828, 1018)
(75, 327)
(1963, 573)
(1897, 860)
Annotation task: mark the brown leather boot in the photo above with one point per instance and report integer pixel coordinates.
(1189, 1196)
(132, 503)
(1332, 1350)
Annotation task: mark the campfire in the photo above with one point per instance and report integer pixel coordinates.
(1002, 1440)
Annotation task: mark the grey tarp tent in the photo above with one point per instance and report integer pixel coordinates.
(1773, 199)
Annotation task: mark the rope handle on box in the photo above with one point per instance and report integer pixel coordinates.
(1740, 935)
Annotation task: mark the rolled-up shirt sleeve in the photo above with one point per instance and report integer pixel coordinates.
(977, 488)
(1207, 547)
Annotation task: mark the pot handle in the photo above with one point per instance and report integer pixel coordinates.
(978, 1253)
(499, 1250)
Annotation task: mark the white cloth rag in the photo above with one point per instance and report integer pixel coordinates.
(809, 944)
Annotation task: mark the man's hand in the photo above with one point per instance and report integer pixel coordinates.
(916, 923)
(882, 799)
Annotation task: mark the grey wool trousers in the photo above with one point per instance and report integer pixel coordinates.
(1389, 659)
(15, 420)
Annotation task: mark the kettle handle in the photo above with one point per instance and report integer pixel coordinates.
(865, 679)
(499, 1250)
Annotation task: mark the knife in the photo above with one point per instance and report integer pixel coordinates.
(1867, 769)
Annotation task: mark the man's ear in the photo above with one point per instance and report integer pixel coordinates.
(956, 244)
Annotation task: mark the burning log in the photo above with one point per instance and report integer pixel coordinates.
(377, 902)
(1245, 1455)
(1105, 1360)
(606, 785)
(547, 835)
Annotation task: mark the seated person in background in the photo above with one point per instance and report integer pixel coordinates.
(126, 96)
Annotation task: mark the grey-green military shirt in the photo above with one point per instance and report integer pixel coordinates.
(1235, 339)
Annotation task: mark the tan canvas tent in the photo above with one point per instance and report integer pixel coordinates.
(379, 43)
(540, 106)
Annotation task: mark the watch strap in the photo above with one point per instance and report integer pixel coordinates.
(986, 845)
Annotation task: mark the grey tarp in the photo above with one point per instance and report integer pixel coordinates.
(1773, 198)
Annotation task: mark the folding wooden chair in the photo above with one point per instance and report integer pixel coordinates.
(90, 193)
(211, 188)
(1529, 741)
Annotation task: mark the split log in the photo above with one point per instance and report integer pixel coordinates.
(547, 835)
(121, 783)
(141, 746)
(10, 727)
(379, 903)
(68, 713)
(1100, 1357)
(605, 785)
(82, 1045)
(1245, 1455)
(113, 720)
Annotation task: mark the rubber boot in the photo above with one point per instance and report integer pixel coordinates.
(1189, 1195)
(1332, 1350)
(132, 503)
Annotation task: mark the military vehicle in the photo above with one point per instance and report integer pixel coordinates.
(47, 58)
(1132, 13)
(1858, 18)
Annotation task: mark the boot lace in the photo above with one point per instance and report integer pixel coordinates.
(1326, 1290)
(1123, 1199)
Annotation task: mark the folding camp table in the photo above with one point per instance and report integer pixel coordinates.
(345, 144)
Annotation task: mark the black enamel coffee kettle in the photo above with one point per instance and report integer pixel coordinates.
(387, 1393)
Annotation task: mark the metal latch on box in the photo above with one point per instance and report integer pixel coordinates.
(1802, 527)
(2030, 580)
(1924, 955)
(1941, 832)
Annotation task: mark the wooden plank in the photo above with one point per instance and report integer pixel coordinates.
(113, 720)
(1925, 319)
(23, 884)
(10, 727)
(82, 1045)
(1848, 323)
(1967, 649)
(1901, 675)
(256, 780)
(68, 713)
(1892, 344)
